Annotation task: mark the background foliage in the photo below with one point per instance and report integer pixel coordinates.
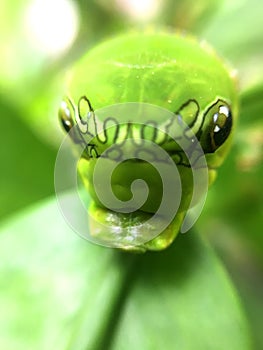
(51, 281)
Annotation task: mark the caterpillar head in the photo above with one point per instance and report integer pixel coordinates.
(136, 91)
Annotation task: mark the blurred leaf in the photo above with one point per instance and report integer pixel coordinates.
(187, 286)
(59, 291)
(237, 33)
(251, 109)
(235, 204)
(232, 221)
(26, 163)
(188, 15)
(246, 271)
(234, 18)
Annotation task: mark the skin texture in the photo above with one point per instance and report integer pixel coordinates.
(172, 71)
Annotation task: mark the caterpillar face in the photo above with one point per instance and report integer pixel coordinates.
(215, 126)
(173, 73)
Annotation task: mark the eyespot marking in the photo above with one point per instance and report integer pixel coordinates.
(210, 128)
(217, 126)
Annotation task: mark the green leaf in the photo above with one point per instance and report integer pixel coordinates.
(182, 299)
(49, 279)
(252, 106)
(59, 291)
(236, 32)
(234, 18)
(26, 163)
(188, 14)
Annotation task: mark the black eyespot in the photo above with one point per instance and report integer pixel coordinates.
(222, 123)
(217, 126)
(66, 115)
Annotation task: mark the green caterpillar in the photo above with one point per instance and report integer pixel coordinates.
(173, 72)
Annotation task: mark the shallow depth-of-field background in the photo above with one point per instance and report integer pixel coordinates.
(57, 293)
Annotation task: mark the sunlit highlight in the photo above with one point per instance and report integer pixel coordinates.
(51, 25)
(139, 9)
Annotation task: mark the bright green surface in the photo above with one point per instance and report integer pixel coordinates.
(153, 68)
(232, 218)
